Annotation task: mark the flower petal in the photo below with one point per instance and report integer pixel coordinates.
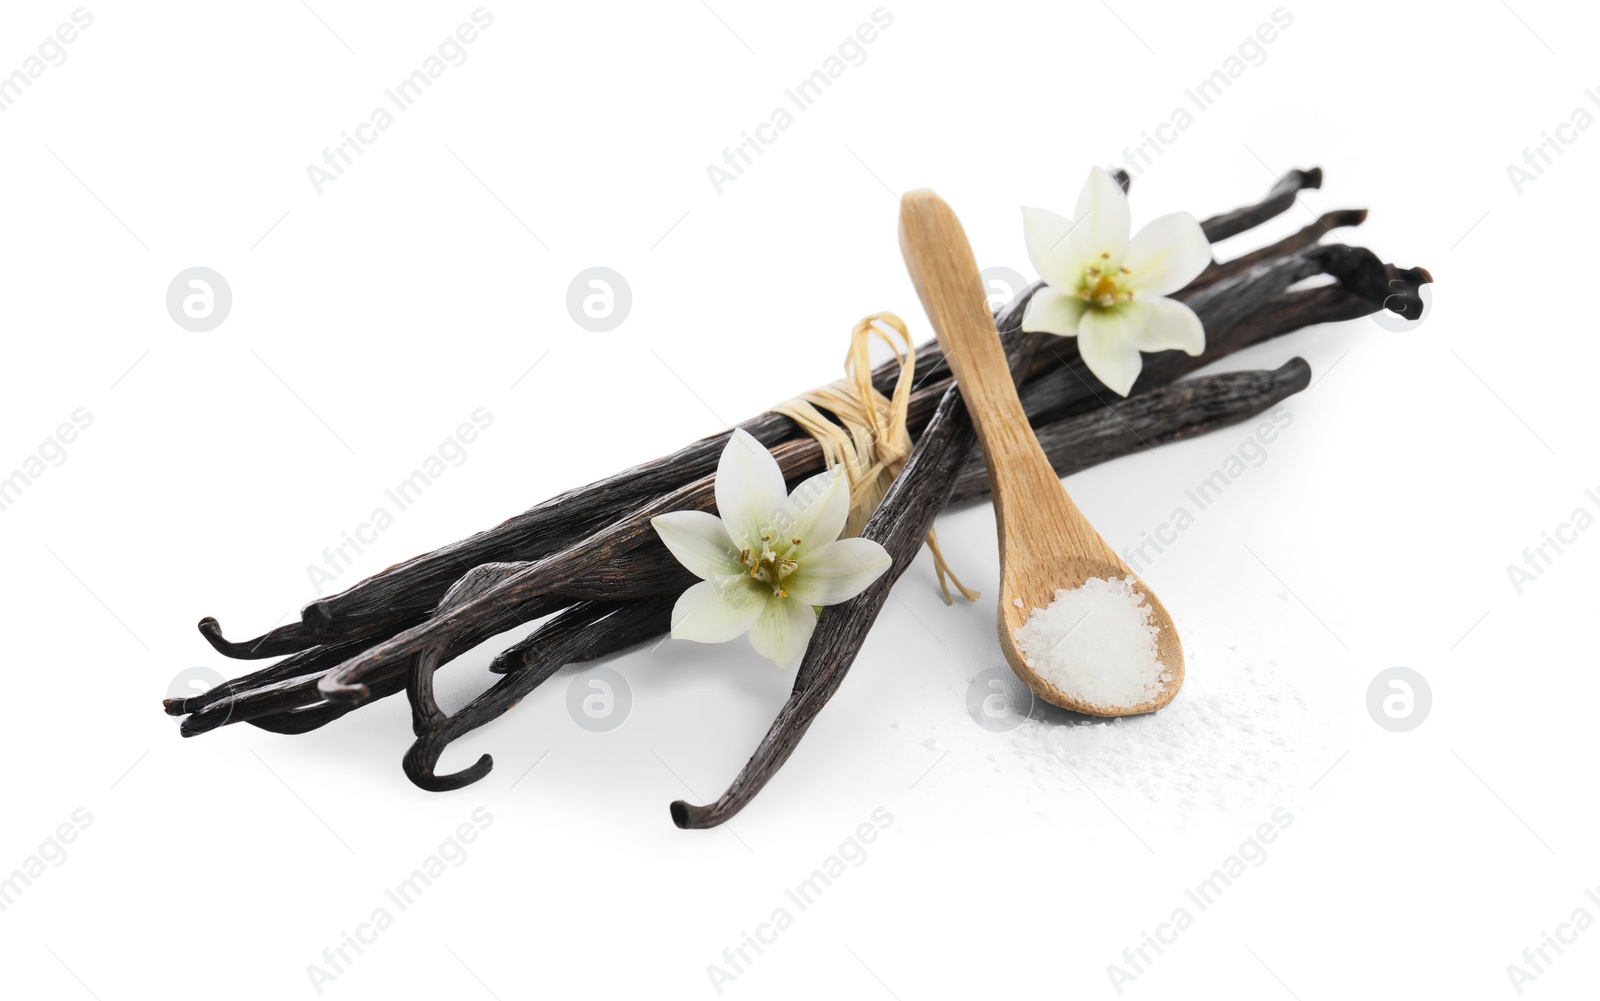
(1052, 252)
(698, 541)
(1158, 324)
(749, 488)
(815, 513)
(1052, 311)
(1167, 254)
(837, 572)
(783, 631)
(1106, 345)
(716, 612)
(1101, 224)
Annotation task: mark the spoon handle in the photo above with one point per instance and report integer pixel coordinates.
(1040, 527)
(942, 268)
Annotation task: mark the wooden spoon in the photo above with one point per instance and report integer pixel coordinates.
(1046, 544)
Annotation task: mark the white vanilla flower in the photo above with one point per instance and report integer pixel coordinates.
(771, 560)
(1092, 272)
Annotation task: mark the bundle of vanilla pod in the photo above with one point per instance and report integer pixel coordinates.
(589, 565)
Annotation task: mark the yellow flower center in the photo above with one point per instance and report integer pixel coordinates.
(770, 566)
(1105, 287)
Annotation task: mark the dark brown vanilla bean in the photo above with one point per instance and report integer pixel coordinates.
(1307, 236)
(218, 706)
(288, 687)
(313, 713)
(1238, 311)
(1182, 410)
(425, 711)
(1277, 202)
(403, 594)
(288, 639)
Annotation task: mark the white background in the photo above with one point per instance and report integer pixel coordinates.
(368, 321)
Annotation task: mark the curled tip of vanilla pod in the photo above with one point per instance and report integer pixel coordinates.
(273, 643)
(585, 632)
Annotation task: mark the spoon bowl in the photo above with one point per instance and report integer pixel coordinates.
(1046, 544)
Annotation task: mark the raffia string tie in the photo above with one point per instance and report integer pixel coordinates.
(868, 435)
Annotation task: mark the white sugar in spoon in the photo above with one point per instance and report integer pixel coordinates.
(1046, 544)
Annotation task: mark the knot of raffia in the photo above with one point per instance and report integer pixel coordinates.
(867, 435)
